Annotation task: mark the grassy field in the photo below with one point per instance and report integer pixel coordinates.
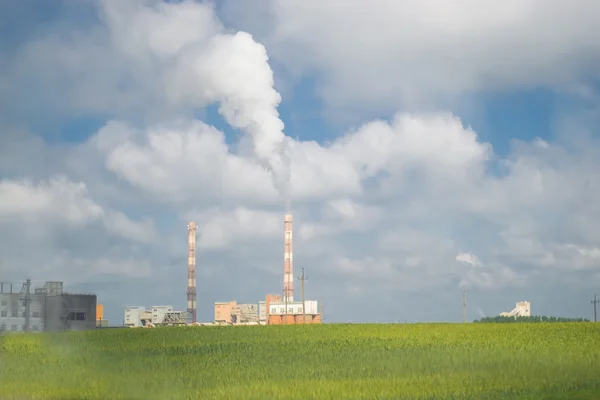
(421, 361)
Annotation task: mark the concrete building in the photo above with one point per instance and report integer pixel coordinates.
(246, 313)
(522, 309)
(230, 312)
(291, 313)
(50, 309)
(138, 316)
(70, 312)
(158, 313)
(134, 316)
(270, 298)
(13, 314)
(224, 310)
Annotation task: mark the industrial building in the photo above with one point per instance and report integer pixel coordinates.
(522, 309)
(48, 308)
(138, 316)
(286, 310)
(275, 309)
(232, 313)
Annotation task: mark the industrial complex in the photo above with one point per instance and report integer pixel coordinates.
(274, 310)
(48, 309)
(51, 309)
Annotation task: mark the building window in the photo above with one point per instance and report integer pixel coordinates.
(35, 328)
(3, 313)
(13, 327)
(4, 303)
(14, 313)
(24, 327)
(36, 314)
(2, 327)
(76, 316)
(24, 314)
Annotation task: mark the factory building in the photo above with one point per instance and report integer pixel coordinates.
(291, 313)
(50, 309)
(70, 312)
(232, 313)
(522, 309)
(138, 316)
(263, 307)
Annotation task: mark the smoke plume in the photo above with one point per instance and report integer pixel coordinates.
(200, 64)
(234, 70)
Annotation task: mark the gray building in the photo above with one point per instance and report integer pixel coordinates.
(50, 309)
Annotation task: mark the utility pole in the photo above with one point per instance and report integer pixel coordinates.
(464, 304)
(594, 302)
(322, 313)
(285, 296)
(303, 278)
(26, 301)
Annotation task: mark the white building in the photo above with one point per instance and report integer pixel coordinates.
(134, 316)
(522, 309)
(158, 313)
(293, 308)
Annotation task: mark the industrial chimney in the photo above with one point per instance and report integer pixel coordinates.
(288, 263)
(191, 290)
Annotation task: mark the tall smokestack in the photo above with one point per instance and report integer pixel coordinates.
(191, 290)
(288, 263)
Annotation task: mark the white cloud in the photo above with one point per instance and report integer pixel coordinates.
(399, 52)
(468, 258)
(57, 198)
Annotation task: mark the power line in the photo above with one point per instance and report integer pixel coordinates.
(594, 302)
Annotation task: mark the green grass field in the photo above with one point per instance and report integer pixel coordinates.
(421, 361)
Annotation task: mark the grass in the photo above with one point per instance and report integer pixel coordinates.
(421, 361)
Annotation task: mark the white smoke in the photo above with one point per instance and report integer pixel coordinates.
(468, 258)
(235, 70)
(480, 312)
(197, 64)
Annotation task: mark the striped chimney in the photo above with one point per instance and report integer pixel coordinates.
(288, 263)
(191, 290)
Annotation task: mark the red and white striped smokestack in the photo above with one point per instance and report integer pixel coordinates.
(288, 262)
(191, 290)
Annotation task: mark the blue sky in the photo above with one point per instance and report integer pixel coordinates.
(103, 149)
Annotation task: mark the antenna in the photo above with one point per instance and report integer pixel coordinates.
(464, 303)
(594, 302)
(303, 278)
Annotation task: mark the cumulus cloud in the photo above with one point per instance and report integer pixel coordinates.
(402, 53)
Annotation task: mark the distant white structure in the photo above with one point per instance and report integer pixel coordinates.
(522, 309)
(158, 313)
(137, 316)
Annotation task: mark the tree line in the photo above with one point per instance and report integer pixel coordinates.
(541, 318)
